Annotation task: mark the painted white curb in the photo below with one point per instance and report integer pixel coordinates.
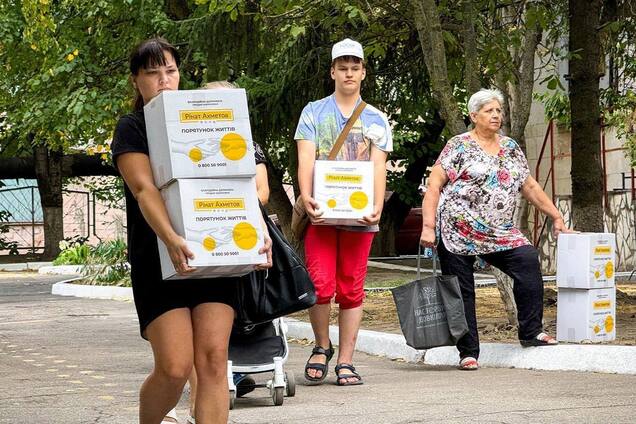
(61, 269)
(24, 266)
(591, 358)
(65, 288)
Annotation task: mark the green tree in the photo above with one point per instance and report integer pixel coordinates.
(63, 83)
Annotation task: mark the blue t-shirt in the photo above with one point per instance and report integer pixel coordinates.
(321, 122)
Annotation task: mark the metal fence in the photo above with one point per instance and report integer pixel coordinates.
(84, 215)
(619, 218)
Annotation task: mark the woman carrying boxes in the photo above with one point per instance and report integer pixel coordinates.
(186, 321)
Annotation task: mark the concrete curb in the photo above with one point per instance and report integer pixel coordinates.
(24, 266)
(65, 288)
(588, 358)
(61, 269)
(566, 357)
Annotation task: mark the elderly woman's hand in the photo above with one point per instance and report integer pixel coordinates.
(427, 238)
(558, 226)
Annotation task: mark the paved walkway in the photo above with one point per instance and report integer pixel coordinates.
(74, 360)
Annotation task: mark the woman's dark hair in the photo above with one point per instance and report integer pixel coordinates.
(150, 53)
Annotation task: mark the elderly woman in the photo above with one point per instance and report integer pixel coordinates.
(471, 193)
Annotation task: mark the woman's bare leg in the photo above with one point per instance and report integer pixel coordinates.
(212, 324)
(170, 336)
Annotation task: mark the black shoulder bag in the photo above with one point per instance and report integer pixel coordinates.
(283, 289)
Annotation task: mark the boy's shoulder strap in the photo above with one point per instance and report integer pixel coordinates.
(345, 131)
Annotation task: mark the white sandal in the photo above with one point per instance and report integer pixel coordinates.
(172, 414)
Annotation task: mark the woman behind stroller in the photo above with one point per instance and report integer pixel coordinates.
(244, 383)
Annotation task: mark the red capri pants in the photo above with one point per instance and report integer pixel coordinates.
(337, 263)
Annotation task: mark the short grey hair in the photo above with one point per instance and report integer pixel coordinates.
(483, 96)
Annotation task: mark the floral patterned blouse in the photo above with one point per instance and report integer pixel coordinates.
(475, 213)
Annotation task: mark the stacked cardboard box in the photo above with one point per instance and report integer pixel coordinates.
(202, 159)
(586, 303)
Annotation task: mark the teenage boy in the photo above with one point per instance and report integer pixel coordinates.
(336, 256)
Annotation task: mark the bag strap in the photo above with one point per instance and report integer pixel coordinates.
(433, 256)
(345, 131)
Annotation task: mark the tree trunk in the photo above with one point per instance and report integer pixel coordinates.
(48, 171)
(587, 183)
(429, 31)
(473, 80)
(504, 285)
(518, 101)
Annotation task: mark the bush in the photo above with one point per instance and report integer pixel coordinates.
(73, 253)
(11, 246)
(107, 265)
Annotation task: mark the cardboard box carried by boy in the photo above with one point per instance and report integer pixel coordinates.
(343, 191)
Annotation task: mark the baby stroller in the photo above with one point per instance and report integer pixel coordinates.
(258, 349)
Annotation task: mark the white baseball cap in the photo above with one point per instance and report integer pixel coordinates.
(347, 47)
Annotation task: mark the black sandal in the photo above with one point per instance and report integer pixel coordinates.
(318, 350)
(541, 339)
(352, 374)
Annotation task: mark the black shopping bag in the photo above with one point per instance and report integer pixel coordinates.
(284, 289)
(431, 310)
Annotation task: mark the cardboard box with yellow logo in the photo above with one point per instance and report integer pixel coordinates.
(586, 315)
(343, 190)
(199, 134)
(586, 260)
(221, 222)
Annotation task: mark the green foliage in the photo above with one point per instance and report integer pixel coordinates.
(104, 264)
(11, 246)
(74, 253)
(622, 116)
(557, 106)
(107, 265)
(63, 76)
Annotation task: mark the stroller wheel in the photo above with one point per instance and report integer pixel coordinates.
(277, 395)
(290, 384)
(232, 398)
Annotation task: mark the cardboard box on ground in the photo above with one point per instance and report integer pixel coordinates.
(344, 190)
(586, 303)
(586, 315)
(199, 134)
(202, 158)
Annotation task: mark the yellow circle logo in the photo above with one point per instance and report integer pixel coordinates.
(597, 274)
(195, 154)
(244, 235)
(609, 324)
(597, 329)
(233, 146)
(609, 269)
(209, 243)
(358, 200)
(331, 203)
